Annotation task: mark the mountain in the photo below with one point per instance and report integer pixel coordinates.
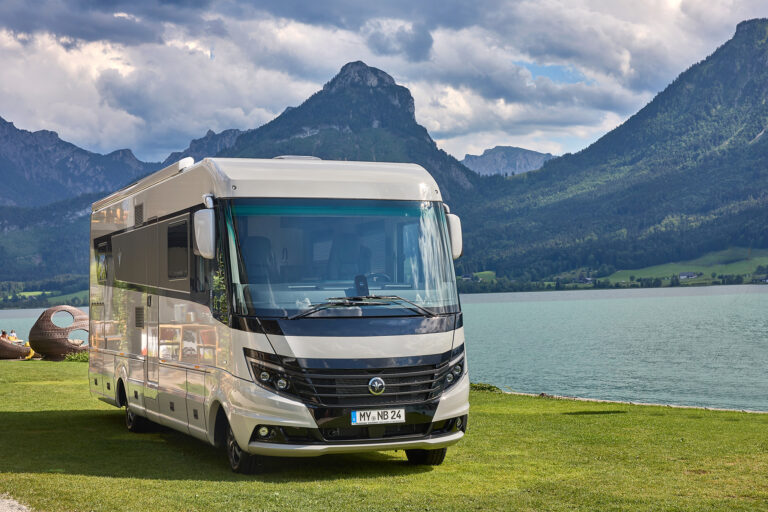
(40, 168)
(40, 242)
(361, 114)
(506, 160)
(685, 175)
(209, 145)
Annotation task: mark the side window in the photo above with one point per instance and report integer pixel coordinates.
(178, 250)
(219, 298)
(101, 263)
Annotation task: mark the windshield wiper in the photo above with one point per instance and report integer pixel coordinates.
(335, 302)
(396, 298)
(367, 300)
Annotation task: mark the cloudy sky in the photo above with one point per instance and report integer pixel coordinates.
(549, 75)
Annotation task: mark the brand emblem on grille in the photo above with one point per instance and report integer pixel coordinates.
(376, 385)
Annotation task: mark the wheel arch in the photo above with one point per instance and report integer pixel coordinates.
(217, 426)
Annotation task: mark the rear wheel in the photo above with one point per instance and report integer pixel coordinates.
(239, 461)
(426, 457)
(134, 422)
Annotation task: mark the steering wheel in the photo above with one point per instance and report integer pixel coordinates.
(378, 277)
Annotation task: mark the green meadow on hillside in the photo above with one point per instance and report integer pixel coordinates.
(732, 261)
(63, 450)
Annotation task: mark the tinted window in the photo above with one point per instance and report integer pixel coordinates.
(178, 252)
(101, 263)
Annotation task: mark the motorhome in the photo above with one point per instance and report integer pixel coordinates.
(289, 307)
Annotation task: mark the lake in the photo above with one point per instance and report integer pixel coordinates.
(688, 346)
(703, 346)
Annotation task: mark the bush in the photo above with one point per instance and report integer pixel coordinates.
(483, 386)
(77, 357)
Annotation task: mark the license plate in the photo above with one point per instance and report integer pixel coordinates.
(378, 416)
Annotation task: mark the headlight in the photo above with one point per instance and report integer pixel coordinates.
(456, 367)
(267, 370)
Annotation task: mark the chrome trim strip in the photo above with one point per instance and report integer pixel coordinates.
(315, 450)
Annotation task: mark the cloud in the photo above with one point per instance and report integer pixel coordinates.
(393, 37)
(554, 74)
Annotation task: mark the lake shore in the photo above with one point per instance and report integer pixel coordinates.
(645, 404)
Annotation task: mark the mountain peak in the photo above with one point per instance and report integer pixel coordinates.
(506, 160)
(359, 74)
(748, 26)
(360, 114)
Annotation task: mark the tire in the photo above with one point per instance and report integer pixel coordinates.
(134, 422)
(426, 457)
(239, 461)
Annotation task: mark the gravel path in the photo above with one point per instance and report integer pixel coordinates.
(8, 504)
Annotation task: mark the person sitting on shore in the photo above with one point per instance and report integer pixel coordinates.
(12, 335)
(4, 337)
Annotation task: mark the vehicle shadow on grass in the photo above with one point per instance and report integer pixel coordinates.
(96, 443)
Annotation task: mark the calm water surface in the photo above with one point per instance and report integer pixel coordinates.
(688, 346)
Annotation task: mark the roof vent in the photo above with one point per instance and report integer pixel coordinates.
(296, 157)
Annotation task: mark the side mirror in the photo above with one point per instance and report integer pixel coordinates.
(454, 230)
(205, 233)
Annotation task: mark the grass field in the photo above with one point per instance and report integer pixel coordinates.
(62, 450)
(735, 261)
(64, 299)
(486, 275)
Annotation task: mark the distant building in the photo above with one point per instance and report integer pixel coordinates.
(687, 275)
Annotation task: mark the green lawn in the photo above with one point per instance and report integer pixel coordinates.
(735, 261)
(62, 450)
(31, 294)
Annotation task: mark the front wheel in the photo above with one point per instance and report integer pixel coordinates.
(239, 461)
(426, 457)
(134, 422)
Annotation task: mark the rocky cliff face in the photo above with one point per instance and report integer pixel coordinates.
(40, 168)
(506, 160)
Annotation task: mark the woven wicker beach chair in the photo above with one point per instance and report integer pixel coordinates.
(10, 350)
(52, 341)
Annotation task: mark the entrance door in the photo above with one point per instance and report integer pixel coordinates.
(151, 363)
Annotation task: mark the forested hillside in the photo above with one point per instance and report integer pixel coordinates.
(685, 175)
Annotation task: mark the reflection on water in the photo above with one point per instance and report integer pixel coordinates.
(689, 346)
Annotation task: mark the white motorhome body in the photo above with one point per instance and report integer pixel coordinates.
(288, 307)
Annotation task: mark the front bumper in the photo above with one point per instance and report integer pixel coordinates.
(315, 450)
(255, 406)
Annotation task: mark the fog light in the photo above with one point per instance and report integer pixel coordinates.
(449, 378)
(457, 370)
(263, 431)
(281, 384)
(458, 423)
(264, 376)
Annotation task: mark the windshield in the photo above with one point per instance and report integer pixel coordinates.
(288, 256)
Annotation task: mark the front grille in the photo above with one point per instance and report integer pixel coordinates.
(374, 432)
(299, 435)
(339, 387)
